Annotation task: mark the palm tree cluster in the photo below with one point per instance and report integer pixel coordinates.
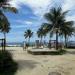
(57, 24)
(4, 23)
(28, 34)
(40, 34)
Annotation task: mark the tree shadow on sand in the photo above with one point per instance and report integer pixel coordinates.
(27, 64)
(71, 52)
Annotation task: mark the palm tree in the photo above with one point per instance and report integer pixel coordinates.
(4, 23)
(46, 28)
(28, 34)
(4, 26)
(56, 19)
(67, 30)
(40, 34)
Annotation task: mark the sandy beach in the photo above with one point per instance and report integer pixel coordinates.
(43, 64)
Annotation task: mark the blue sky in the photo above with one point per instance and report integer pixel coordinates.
(30, 16)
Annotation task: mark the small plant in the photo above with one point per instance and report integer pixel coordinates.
(7, 65)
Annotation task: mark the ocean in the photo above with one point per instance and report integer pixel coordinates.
(18, 44)
(15, 44)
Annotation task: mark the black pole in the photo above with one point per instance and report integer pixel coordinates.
(56, 39)
(4, 44)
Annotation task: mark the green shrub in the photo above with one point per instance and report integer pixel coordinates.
(7, 65)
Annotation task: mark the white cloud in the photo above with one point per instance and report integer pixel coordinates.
(27, 22)
(15, 3)
(17, 26)
(70, 18)
(41, 6)
(68, 5)
(38, 6)
(24, 22)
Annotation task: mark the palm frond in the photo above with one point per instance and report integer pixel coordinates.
(28, 33)
(4, 23)
(10, 9)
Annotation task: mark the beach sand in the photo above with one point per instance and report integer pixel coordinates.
(43, 64)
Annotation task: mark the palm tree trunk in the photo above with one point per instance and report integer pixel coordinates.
(41, 41)
(44, 42)
(4, 40)
(65, 41)
(50, 43)
(29, 41)
(57, 40)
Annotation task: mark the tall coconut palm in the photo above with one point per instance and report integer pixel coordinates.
(40, 34)
(4, 26)
(46, 29)
(67, 30)
(5, 6)
(4, 23)
(56, 19)
(28, 34)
